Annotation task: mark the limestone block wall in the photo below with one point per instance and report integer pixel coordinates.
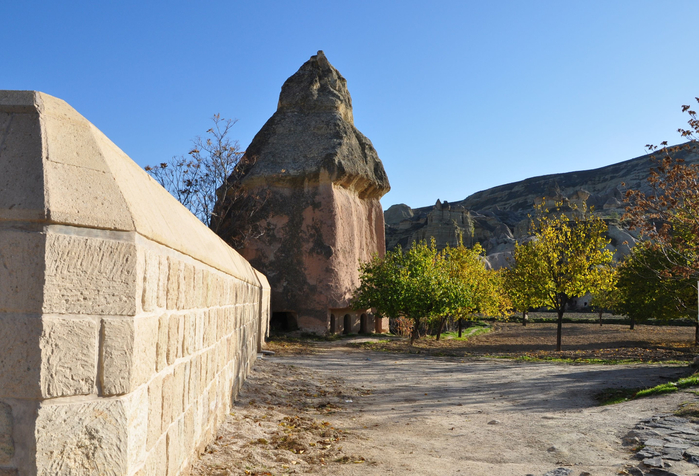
(126, 326)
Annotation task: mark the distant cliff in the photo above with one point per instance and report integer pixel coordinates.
(497, 217)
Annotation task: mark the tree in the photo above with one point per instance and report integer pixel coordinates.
(404, 283)
(667, 218)
(198, 180)
(477, 290)
(607, 297)
(566, 258)
(642, 293)
(517, 286)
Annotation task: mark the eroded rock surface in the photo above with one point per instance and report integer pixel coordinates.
(323, 180)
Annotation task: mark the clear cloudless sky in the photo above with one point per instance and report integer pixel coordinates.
(456, 96)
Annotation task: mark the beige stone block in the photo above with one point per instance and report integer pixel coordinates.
(168, 396)
(150, 281)
(162, 281)
(20, 358)
(185, 385)
(162, 344)
(188, 286)
(117, 355)
(7, 445)
(199, 291)
(21, 171)
(87, 275)
(155, 412)
(178, 391)
(174, 343)
(226, 291)
(175, 450)
(173, 282)
(129, 349)
(221, 355)
(68, 357)
(180, 333)
(189, 429)
(82, 438)
(188, 336)
(181, 287)
(136, 405)
(210, 364)
(156, 461)
(220, 323)
(203, 369)
(21, 270)
(210, 331)
(200, 329)
(69, 136)
(85, 197)
(193, 383)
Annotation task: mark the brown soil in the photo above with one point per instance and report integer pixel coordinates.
(579, 341)
(337, 409)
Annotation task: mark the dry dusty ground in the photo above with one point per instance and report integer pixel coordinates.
(338, 409)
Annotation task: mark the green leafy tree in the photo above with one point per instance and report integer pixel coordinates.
(642, 293)
(607, 297)
(407, 283)
(565, 259)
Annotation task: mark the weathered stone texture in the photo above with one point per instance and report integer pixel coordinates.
(7, 446)
(322, 180)
(68, 357)
(20, 358)
(21, 270)
(85, 275)
(116, 306)
(82, 438)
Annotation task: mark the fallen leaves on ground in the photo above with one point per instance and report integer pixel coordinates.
(277, 426)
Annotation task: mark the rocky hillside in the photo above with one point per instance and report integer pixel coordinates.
(497, 217)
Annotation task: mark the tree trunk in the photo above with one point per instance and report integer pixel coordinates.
(696, 334)
(415, 334)
(441, 326)
(559, 330)
(525, 317)
(460, 326)
(600, 318)
(633, 323)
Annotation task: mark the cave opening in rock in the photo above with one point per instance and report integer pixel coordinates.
(283, 322)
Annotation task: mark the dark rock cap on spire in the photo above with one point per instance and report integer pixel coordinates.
(317, 87)
(311, 137)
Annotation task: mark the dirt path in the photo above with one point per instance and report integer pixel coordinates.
(386, 413)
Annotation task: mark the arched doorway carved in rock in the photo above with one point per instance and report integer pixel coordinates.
(363, 324)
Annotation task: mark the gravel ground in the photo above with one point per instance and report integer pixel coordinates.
(338, 409)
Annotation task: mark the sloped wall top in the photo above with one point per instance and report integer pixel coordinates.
(58, 168)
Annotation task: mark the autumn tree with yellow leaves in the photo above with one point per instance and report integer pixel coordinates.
(566, 258)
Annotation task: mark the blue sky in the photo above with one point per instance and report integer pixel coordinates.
(457, 96)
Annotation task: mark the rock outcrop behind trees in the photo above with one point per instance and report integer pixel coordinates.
(497, 217)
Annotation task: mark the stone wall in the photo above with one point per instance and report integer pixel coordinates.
(126, 326)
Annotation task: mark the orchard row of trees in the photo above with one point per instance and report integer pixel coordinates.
(566, 257)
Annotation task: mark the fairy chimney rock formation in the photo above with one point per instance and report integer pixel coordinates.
(321, 181)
